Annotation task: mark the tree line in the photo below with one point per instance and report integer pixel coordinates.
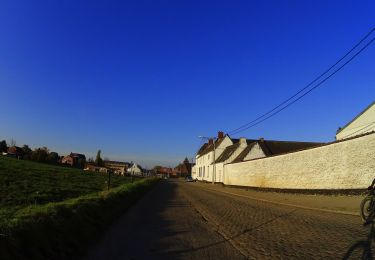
(42, 154)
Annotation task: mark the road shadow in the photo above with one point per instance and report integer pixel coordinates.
(165, 225)
(231, 238)
(362, 248)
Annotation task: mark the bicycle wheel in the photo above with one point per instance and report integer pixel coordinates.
(367, 209)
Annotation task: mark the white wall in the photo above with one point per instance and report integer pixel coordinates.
(219, 167)
(348, 164)
(254, 153)
(204, 163)
(363, 124)
(193, 172)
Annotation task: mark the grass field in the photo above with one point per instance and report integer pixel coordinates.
(54, 212)
(25, 183)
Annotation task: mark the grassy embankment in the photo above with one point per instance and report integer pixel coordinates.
(52, 212)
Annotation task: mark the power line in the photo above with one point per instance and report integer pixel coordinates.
(320, 83)
(254, 122)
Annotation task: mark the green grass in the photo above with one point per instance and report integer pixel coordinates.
(64, 230)
(24, 183)
(52, 212)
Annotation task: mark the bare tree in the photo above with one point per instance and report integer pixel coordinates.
(12, 142)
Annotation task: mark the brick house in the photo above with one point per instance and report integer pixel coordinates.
(15, 151)
(74, 160)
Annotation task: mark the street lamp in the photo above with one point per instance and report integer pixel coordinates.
(214, 171)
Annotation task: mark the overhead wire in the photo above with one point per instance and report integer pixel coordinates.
(269, 114)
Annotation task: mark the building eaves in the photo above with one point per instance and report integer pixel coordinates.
(351, 121)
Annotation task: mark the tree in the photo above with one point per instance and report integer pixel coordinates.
(3, 146)
(99, 160)
(39, 154)
(81, 163)
(26, 151)
(53, 157)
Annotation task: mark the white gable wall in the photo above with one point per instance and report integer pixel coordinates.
(204, 163)
(365, 123)
(219, 167)
(255, 153)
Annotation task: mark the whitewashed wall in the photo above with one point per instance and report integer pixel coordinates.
(204, 163)
(365, 123)
(348, 164)
(255, 153)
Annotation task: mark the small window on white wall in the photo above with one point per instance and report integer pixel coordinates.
(208, 157)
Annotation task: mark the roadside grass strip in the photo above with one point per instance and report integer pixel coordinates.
(64, 230)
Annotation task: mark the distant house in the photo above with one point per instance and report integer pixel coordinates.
(15, 151)
(164, 172)
(230, 150)
(183, 169)
(363, 123)
(119, 168)
(94, 168)
(74, 160)
(135, 170)
(211, 151)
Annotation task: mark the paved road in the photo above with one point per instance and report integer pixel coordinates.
(164, 225)
(179, 220)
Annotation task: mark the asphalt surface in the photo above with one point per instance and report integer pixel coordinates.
(179, 220)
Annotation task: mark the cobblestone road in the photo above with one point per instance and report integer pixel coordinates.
(261, 230)
(179, 220)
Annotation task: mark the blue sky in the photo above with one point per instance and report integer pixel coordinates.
(140, 80)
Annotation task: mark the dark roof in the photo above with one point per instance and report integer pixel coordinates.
(227, 152)
(367, 108)
(202, 148)
(117, 162)
(271, 147)
(243, 154)
(210, 147)
(78, 155)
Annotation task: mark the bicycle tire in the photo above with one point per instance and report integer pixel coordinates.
(366, 211)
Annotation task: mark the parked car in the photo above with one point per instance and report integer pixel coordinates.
(189, 179)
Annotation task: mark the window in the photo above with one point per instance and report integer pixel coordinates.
(203, 171)
(208, 171)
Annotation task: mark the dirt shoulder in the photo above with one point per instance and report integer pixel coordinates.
(343, 204)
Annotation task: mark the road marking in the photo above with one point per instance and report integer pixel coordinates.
(285, 204)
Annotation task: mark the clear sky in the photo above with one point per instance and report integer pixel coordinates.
(140, 80)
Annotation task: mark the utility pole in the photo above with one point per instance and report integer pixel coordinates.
(214, 159)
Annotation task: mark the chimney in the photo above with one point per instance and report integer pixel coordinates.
(220, 134)
(261, 139)
(211, 141)
(243, 140)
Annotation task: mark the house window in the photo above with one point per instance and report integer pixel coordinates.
(203, 171)
(208, 171)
